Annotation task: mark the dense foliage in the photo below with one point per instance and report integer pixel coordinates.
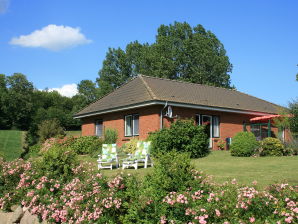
(58, 161)
(294, 119)
(272, 147)
(182, 136)
(49, 128)
(244, 144)
(179, 52)
(130, 147)
(110, 136)
(87, 145)
(173, 193)
(24, 107)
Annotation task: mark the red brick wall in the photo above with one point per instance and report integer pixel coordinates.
(230, 123)
(149, 121)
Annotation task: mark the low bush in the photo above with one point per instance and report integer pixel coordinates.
(110, 136)
(130, 147)
(58, 162)
(271, 147)
(182, 136)
(291, 148)
(87, 145)
(185, 197)
(244, 144)
(48, 129)
(33, 151)
(172, 172)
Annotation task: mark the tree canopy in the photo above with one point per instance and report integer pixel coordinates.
(179, 52)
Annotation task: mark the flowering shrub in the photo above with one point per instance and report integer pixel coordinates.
(89, 197)
(244, 144)
(70, 201)
(58, 162)
(10, 173)
(271, 147)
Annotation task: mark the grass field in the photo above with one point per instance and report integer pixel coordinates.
(265, 170)
(73, 133)
(223, 167)
(11, 144)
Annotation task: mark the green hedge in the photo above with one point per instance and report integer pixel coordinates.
(182, 136)
(87, 145)
(244, 144)
(272, 147)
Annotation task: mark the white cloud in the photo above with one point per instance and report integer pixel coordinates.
(52, 37)
(68, 90)
(4, 6)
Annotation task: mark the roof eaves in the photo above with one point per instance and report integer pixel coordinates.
(78, 113)
(162, 102)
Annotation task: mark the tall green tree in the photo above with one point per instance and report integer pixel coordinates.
(88, 90)
(294, 119)
(20, 92)
(179, 52)
(5, 121)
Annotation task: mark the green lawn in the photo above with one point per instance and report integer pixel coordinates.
(73, 133)
(265, 170)
(223, 167)
(11, 144)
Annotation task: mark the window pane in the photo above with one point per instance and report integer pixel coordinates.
(136, 124)
(215, 126)
(128, 125)
(99, 128)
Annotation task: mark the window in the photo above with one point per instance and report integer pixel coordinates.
(212, 121)
(131, 125)
(99, 128)
(135, 124)
(215, 126)
(198, 119)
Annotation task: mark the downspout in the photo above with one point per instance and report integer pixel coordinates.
(161, 115)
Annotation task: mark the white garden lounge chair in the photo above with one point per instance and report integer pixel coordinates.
(108, 156)
(142, 154)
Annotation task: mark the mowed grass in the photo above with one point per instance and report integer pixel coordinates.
(11, 144)
(265, 170)
(224, 167)
(74, 133)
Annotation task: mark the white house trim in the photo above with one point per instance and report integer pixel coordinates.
(201, 107)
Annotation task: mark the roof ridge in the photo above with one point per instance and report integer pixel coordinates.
(235, 90)
(182, 81)
(151, 93)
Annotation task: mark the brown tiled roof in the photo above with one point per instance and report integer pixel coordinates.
(144, 89)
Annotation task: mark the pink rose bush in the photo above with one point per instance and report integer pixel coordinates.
(86, 196)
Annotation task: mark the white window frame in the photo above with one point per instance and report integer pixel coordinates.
(132, 116)
(213, 126)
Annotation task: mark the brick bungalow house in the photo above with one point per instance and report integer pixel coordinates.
(146, 104)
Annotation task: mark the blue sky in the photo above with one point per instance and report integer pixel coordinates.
(261, 38)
